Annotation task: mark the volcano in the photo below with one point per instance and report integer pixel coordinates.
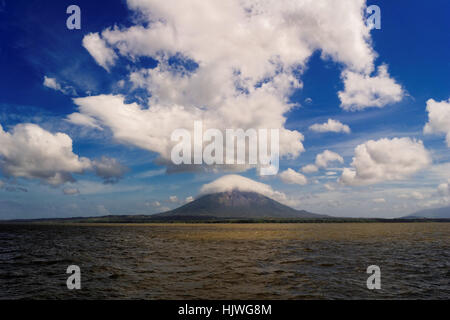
(237, 205)
(434, 213)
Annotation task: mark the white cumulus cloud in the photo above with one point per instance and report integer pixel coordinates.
(386, 160)
(248, 56)
(324, 158)
(322, 161)
(438, 118)
(444, 188)
(310, 168)
(293, 177)
(330, 126)
(29, 151)
(363, 91)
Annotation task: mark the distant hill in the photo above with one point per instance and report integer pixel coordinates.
(437, 213)
(236, 204)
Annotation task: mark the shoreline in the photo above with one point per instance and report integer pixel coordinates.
(93, 222)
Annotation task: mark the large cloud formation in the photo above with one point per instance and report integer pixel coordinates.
(444, 188)
(247, 59)
(30, 152)
(385, 160)
(438, 118)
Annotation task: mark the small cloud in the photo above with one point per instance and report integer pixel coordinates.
(330, 126)
(173, 199)
(413, 195)
(121, 83)
(151, 173)
(109, 169)
(418, 196)
(152, 204)
(329, 187)
(189, 199)
(438, 118)
(379, 200)
(326, 157)
(99, 50)
(293, 177)
(102, 210)
(363, 91)
(10, 188)
(310, 168)
(71, 191)
(52, 83)
(444, 188)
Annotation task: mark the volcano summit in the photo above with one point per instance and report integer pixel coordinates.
(235, 204)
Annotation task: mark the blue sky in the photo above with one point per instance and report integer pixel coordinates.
(413, 43)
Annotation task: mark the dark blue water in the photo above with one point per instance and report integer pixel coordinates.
(253, 261)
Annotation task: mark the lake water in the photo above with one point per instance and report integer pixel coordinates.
(226, 261)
